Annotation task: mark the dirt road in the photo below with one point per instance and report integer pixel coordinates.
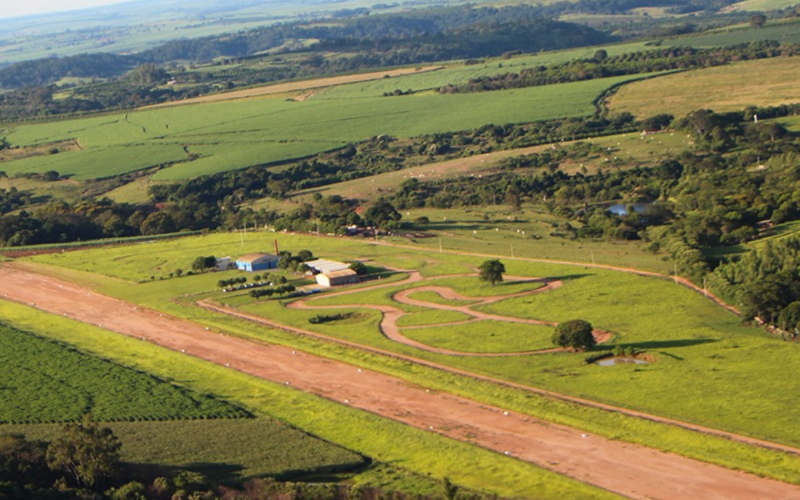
(630, 470)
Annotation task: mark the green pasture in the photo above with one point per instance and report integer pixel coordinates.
(429, 317)
(765, 5)
(691, 338)
(784, 32)
(45, 381)
(460, 73)
(485, 336)
(532, 233)
(415, 450)
(239, 134)
(225, 451)
(724, 88)
(616, 426)
(435, 298)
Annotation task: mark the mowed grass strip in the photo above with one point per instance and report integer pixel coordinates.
(270, 126)
(223, 450)
(45, 381)
(766, 82)
(418, 451)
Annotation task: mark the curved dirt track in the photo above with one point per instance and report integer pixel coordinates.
(630, 270)
(391, 315)
(631, 470)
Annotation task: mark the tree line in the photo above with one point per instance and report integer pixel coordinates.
(603, 66)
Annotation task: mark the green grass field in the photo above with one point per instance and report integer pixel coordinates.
(238, 134)
(44, 381)
(421, 452)
(484, 337)
(225, 451)
(782, 31)
(724, 88)
(690, 337)
(616, 426)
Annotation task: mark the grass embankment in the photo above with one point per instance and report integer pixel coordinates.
(45, 381)
(230, 135)
(767, 82)
(703, 354)
(417, 451)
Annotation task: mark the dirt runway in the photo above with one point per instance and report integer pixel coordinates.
(631, 470)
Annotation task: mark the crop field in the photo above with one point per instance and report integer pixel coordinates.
(785, 32)
(764, 5)
(458, 73)
(223, 450)
(238, 134)
(44, 381)
(767, 82)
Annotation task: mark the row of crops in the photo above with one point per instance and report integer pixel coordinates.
(45, 381)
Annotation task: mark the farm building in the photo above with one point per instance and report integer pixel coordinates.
(333, 278)
(223, 264)
(326, 266)
(257, 262)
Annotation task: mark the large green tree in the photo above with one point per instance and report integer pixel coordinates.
(491, 271)
(86, 451)
(574, 334)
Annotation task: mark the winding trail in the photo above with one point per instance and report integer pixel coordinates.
(391, 315)
(633, 471)
(630, 270)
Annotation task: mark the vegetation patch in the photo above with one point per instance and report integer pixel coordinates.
(485, 336)
(45, 381)
(222, 450)
(728, 88)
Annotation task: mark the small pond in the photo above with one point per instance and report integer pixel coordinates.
(621, 209)
(621, 360)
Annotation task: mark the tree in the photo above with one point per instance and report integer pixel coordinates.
(574, 334)
(758, 20)
(600, 55)
(359, 267)
(202, 263)
(382, 214)
(491, 271)
(86, 451)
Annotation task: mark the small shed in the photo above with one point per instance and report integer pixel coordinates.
(257, 262)
(326, 266)
(223, 263)
(333, 278)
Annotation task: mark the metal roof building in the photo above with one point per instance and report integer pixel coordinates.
(327, 266)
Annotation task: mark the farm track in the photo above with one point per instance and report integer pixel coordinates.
(630, 270)
(391, 314)
(633, 471)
